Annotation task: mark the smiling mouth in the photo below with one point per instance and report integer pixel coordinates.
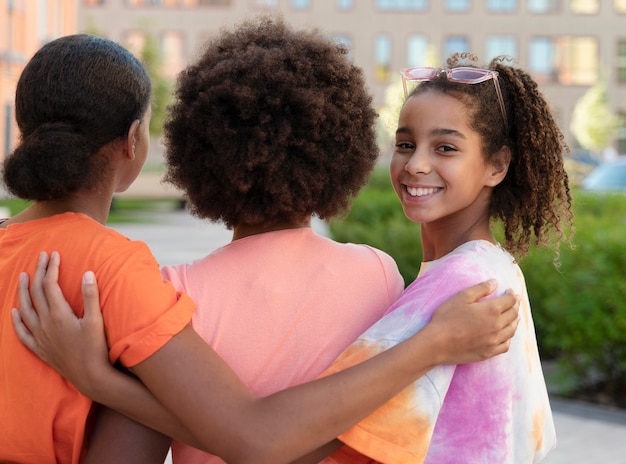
(421, 191)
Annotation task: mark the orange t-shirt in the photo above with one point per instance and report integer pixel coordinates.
(43, 418)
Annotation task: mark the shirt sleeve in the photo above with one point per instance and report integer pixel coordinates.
(141, 311)
(400, 431)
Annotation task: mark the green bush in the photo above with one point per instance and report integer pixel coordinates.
(12, 206)
(578, 297)
(579, 305)
(122, 210)
(376, 218)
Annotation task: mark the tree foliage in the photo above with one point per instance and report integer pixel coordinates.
(593, 123)
(152, 59)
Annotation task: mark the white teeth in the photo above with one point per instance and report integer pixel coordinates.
(420, 191)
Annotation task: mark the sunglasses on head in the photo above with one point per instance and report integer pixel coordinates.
(462, 74)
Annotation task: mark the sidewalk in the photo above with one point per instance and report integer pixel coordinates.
(587, 434)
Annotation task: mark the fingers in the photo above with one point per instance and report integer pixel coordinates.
(509, 321)
(510, 314)
(37, 293)
(22, 331)
(479, 291)
(91, 298)
(53, 300)
(51, 289)
(505, 336)
(27, 313)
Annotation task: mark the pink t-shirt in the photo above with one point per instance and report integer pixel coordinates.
(494, 411)
(279, 307)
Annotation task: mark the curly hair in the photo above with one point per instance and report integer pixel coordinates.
(270, 124)
(76, 94)
(534, 198)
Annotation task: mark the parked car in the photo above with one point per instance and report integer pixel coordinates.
(609, 176)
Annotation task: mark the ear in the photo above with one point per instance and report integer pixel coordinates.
(499, 164)
(131, 139)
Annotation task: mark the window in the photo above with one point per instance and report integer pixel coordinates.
(345, 4)
(382, 57)
(207, 2)
(42, 26)
(541, 60)
(402, 5)
(501, 45)
(344, 40)
(620, 6)
(585, 6)
(264, 4)
(577, 60)
(543, 6)
(621, 62)
(172, 50)
(145, 2)
(301, 4)
(501, 6)
(457, 5)
(135, 41)
(417, 51)
(455, 44)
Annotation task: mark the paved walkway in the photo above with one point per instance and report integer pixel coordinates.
(587, 434)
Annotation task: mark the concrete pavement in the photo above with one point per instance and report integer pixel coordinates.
(587, 434)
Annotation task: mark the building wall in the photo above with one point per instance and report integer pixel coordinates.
(584, 36)
(26, 25)
(601, 25)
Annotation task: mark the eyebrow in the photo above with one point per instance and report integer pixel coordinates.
(436, 132)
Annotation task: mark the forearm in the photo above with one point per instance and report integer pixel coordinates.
(233, 424)
(128, 396)
(238, 427)
(116, 439)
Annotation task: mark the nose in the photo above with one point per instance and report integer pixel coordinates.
(418, 163)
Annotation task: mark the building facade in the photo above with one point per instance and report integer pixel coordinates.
(26, 25)
(567, 45)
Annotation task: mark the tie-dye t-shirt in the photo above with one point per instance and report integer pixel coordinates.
(494, 411)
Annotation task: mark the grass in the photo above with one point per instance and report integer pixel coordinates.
(122, 210)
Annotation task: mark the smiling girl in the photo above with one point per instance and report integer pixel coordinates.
(472, 146)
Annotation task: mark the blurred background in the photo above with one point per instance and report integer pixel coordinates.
(575, 49)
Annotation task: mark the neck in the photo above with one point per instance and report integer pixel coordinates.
(436, 245)
(95, 204)
(441, 237)
(246, 230)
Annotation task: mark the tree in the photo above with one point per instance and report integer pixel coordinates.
(593, 123)
(151, 57)
(161, 86)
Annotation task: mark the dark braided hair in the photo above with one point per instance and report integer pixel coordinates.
(76, 94)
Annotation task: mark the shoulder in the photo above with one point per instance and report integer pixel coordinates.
(368, 255)
(472, 263)
(369, 265)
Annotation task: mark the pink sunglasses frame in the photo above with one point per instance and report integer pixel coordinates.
(428, 73)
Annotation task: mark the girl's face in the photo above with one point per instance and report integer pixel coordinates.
(438, 169)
